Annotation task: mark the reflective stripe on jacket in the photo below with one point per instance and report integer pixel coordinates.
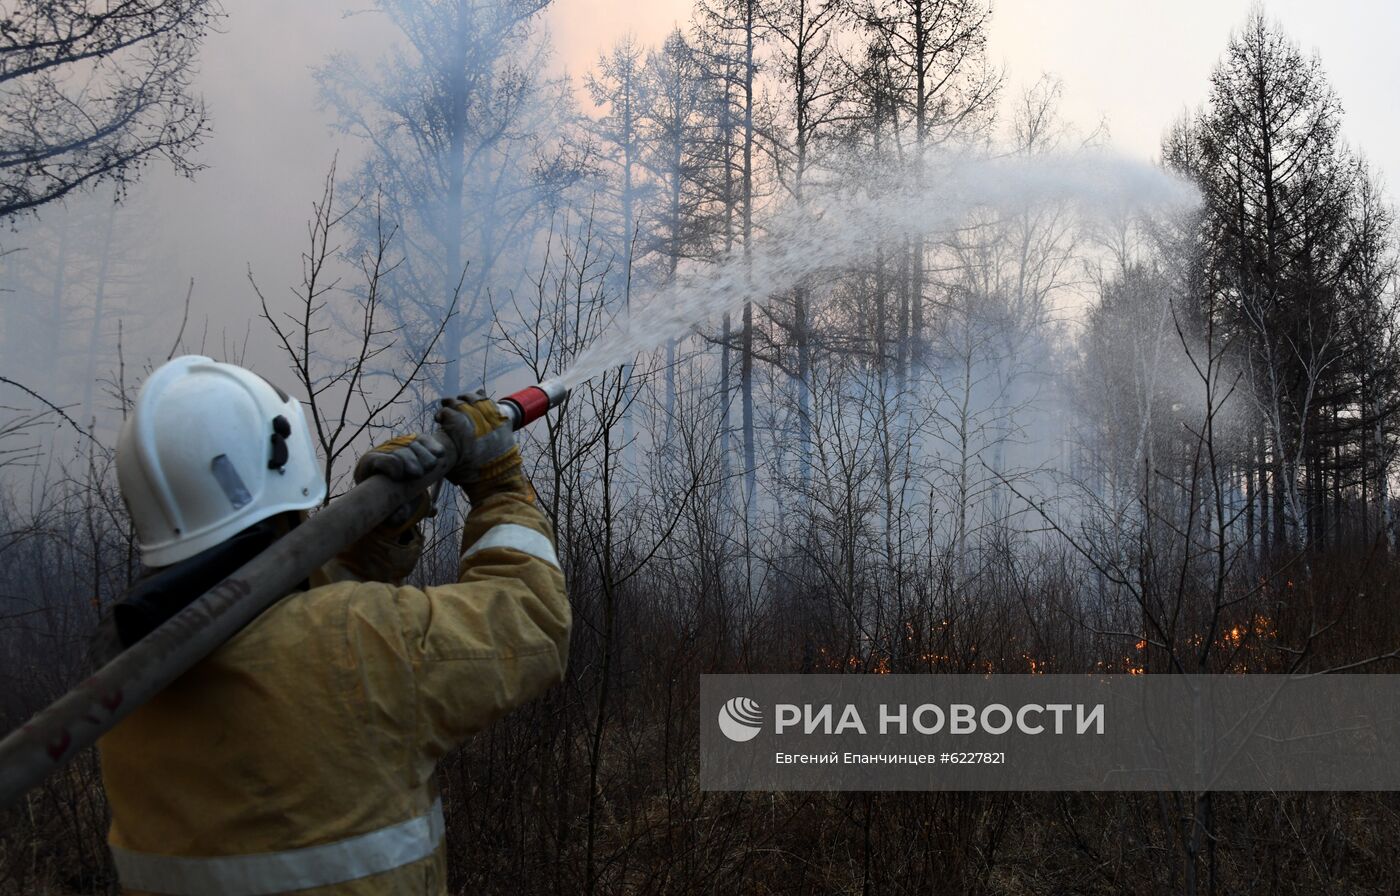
(300, 755)
(279, 872)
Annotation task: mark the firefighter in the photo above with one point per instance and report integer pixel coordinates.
(299, 757)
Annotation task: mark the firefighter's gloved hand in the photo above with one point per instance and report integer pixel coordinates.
(391, 550)
(401, 458)
(488, 462)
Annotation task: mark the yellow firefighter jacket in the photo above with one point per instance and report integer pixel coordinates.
(299, 756)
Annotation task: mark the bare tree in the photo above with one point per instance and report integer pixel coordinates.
(1277, 184)
(347, 393)
(814, 83)
(467, 141)
(734, 31)
(936, 53)
(92, 92)
(618, 85)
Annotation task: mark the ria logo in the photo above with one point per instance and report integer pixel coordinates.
(740, 719)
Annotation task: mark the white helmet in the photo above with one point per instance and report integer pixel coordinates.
(209, 450)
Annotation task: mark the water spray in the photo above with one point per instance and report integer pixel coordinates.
(836, 227)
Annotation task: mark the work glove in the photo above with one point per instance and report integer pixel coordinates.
(488, 462)
(390, 551)
(401, 458)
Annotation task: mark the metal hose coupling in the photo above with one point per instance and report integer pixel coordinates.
(531, 403)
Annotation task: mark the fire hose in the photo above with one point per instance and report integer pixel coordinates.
(76, 720)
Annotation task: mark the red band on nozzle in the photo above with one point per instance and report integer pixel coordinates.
(532, 401)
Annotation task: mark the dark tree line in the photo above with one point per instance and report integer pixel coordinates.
(1290, 267)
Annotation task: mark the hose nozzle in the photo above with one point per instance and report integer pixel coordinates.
(531, 403)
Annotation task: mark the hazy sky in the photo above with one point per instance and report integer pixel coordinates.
(1136, 65)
